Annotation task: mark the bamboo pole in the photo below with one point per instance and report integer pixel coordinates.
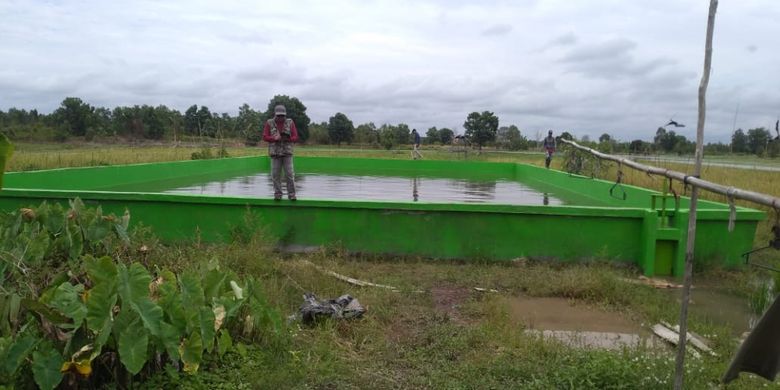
(686, 291)
(731, 192)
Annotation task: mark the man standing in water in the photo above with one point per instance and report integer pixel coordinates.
(416, 146)
(549, 148)
(280, 133)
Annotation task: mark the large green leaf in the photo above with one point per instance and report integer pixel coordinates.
(43, 310)
(75, 240)
(225, 342)
(192, 295)
(100, 304)
(134, 290)
(170, 301)
(150, 313)
(207, 331)
(77, 206)
(102, 270)
(55, 218)
(191, 352)
(133, 282)
(123, 320)
(102, 335)
(37, 248)
(98, 228)
(213, 283)
(231, 305)
(171, 339)
(102, 298)
(133, 343)
(191, 289)
(14, 308)
(19, 351)
(46, 364)
(67, 300)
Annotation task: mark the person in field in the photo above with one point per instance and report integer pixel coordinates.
(549, 148)
(416, 145)
(280, 133)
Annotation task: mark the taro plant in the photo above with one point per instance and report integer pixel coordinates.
(40, 242)
(103, 322)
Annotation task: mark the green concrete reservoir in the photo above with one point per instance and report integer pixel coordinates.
(464, 210)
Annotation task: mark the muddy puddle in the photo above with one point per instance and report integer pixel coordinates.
(718, 307)
(561, 314)
(576, 324)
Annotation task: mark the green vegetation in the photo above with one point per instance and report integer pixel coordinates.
(69, 315)
(481, 127)
(408, 339)
(79, 121)
(340, 129)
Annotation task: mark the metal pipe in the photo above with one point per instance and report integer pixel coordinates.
(732, 192)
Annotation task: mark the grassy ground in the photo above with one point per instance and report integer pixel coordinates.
(414, 339)
(408, 339)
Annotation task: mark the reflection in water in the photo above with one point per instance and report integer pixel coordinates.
(379, 188)
(480, 191)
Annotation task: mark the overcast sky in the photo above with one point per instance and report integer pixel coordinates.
(587, 67)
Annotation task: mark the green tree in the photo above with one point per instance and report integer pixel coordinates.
(658, 140)
(432, 136)
(566, 135)
(153, 123)
(666, 140)
(74, 116)
(387, 136)
(446, 135)
(481, 128)
(605, 138)
(295, 111)
(739, 142)
(511, 138)
(638, 146)
(682, 145)
(716, 148)
(128, 121)
(319, 133)
(757, 140)
(367, 134)
(340, 129)
(773, 148)
(249, 125)
(197, 121)
(403, 135)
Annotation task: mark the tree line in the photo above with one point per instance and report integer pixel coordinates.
(76, 118)
(756, 141)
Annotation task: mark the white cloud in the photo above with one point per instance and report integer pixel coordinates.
(585, 67)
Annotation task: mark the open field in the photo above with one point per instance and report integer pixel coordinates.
(438, 331)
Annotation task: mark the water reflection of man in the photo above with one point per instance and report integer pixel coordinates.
(280, 133)
(415, 196)
(545, 199)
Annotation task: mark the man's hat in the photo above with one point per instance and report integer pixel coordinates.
(280, 110)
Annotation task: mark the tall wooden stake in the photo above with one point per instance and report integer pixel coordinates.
(686, 291)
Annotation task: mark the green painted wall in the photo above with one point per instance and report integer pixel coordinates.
(615, 229)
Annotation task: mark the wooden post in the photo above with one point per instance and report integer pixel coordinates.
(686, 291)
